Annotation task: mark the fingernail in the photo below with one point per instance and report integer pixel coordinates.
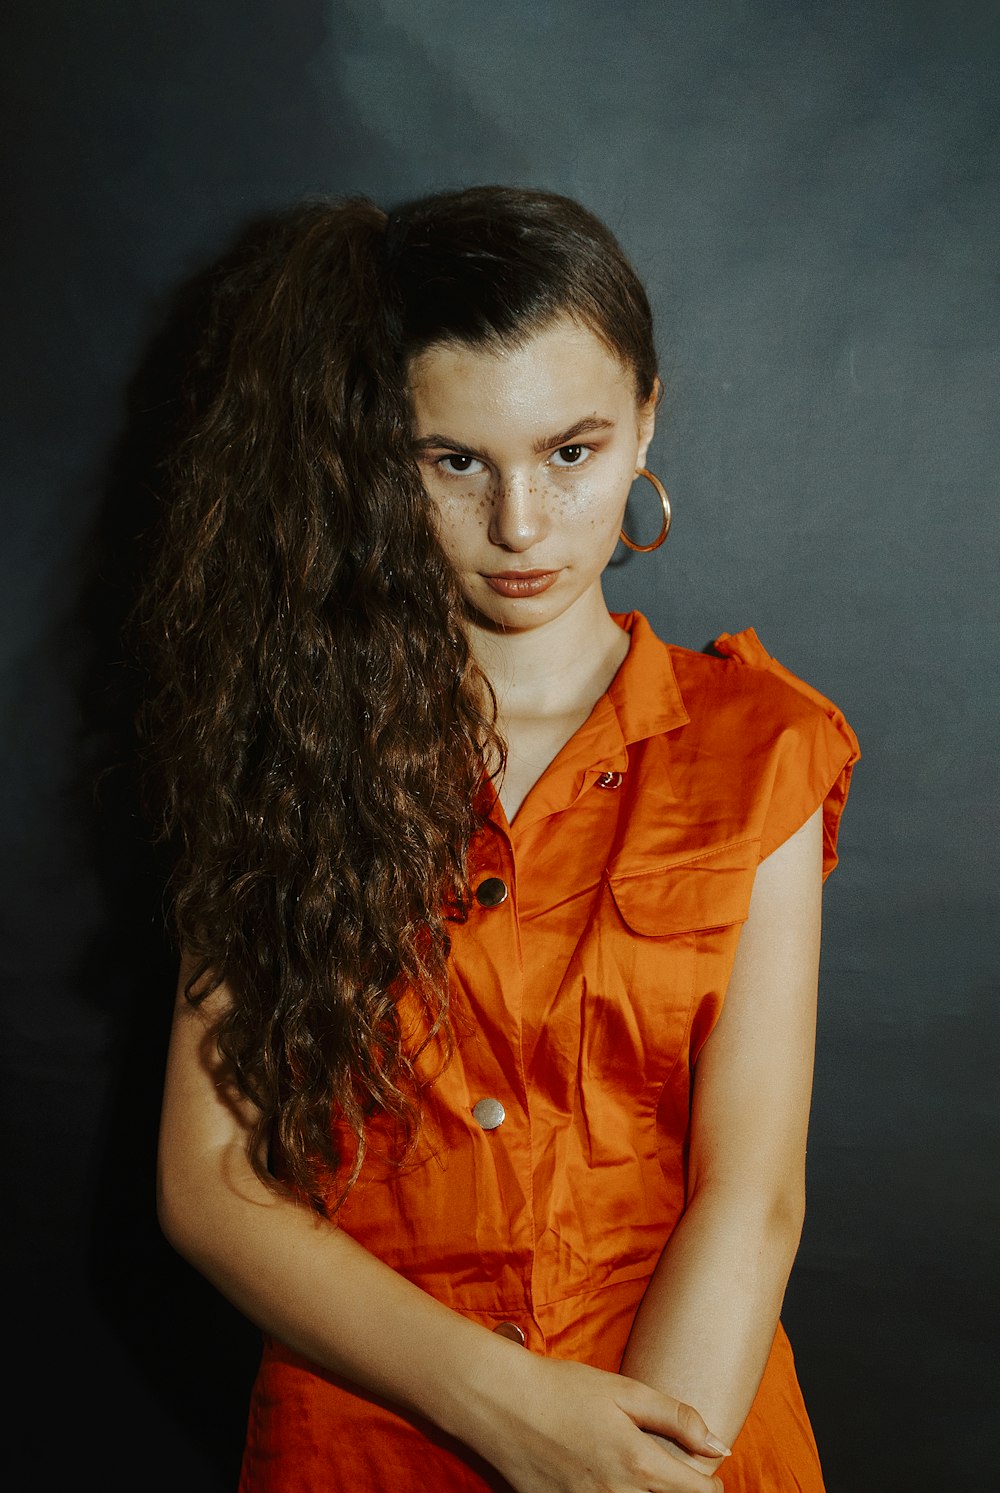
(719, 1447)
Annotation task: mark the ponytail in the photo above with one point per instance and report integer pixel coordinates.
(317, 730)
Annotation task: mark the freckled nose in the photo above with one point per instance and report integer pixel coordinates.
(518, 517)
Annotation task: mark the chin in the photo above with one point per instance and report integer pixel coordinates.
(524, 615)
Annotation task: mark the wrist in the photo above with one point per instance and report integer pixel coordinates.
(476, 1398)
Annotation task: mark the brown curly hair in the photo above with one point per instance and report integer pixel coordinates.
(318, 733)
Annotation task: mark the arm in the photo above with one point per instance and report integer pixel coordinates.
(706, 1323)
(546, 1425)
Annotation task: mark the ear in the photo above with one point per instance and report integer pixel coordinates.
(647, 421)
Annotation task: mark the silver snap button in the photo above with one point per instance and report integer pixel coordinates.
(510, 1330)
(491, 892)
(488, 1113)
(609, 780)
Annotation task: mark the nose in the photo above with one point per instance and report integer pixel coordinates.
(517, 517)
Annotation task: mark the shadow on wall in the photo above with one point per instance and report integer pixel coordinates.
(153, 135)
(196, 1352)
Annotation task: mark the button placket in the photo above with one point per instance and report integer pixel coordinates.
(498, 1116)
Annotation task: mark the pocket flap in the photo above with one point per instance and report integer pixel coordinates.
(707, 890)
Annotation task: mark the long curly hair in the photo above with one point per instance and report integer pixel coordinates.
(317, 732)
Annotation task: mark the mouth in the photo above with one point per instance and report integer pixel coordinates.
(521, 582)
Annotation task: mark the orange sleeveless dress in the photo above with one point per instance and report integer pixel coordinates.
(588, 975)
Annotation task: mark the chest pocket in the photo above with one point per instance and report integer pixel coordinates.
(655, 960)
(709, 890)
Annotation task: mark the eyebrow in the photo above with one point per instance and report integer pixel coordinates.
(586, 426)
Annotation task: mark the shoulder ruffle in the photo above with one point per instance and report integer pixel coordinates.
(824, 755)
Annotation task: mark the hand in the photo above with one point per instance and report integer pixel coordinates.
(565, 1427)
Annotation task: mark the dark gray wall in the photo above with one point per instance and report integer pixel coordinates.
(810, 191)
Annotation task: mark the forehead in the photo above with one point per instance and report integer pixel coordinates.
(559, 374)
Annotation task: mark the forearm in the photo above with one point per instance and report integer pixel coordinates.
(298, 1276)
(309, 1284)
(705, 1326)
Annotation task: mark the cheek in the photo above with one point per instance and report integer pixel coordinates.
(459, 518)
(599, 507)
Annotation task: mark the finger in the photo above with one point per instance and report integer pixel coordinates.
(688, 1458)
(702, 1483)
(653, 1411)
(675, 1473)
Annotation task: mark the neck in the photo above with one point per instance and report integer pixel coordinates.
(560, 668)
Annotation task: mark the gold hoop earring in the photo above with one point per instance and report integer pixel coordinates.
(661, 492)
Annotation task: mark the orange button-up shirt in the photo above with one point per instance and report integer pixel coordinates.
(584, 983)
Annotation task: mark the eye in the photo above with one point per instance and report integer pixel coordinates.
(459, 464)
(572, 456)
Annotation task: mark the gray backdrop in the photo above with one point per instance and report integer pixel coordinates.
(810, 191)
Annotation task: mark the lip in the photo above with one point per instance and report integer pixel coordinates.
(521, 582)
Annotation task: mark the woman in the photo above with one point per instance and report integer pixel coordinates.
(489, 1078)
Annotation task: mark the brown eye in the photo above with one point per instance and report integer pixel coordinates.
(458, 463)
(571, 456)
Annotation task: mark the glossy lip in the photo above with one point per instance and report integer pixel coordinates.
(521, 582)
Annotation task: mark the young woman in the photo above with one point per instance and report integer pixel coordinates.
(489, 1079)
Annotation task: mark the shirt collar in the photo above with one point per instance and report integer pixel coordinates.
(642, 700)
(644, 694)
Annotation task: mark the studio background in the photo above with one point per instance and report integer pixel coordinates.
(810, 193)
